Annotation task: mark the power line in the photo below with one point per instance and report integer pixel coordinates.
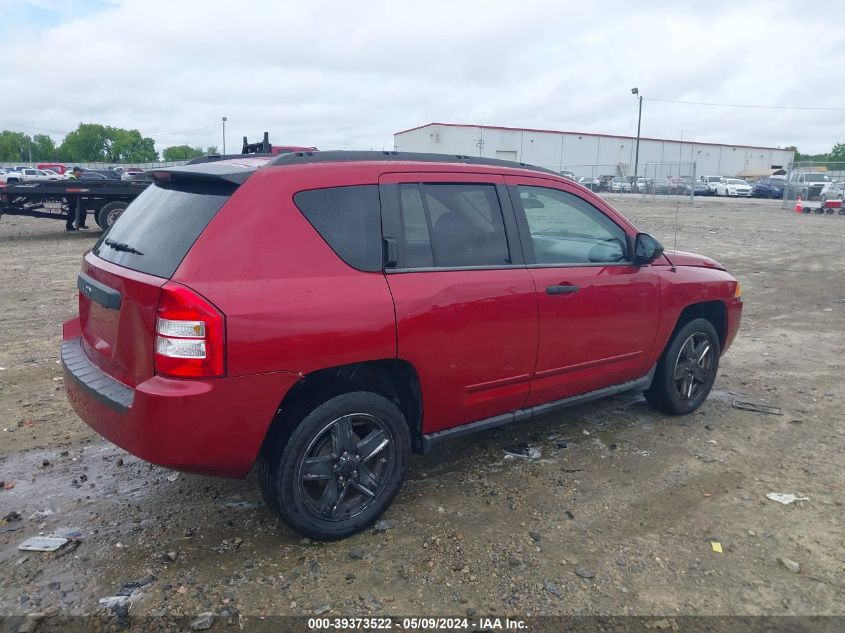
(180, 132)
(740, 105)
(33, 127)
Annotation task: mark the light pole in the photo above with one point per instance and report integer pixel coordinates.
(224, 136)
(636, 93)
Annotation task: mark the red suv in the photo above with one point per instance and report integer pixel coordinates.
(323, 314)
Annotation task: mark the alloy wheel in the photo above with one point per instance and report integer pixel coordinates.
(346, 466)
(694, 366)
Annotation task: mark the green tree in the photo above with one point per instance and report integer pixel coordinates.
(14, 146)
(212, 149)
(92, 142)
(43, 148)
(838, 153)
(182, 152)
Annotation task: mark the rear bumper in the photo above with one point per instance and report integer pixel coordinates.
(213, 427)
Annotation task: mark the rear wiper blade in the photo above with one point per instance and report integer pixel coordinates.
(120, 246)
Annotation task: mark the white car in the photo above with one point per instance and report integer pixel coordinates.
(832, 191)
(24, 174)
(712, 182)
(620, 185)
(733, 187)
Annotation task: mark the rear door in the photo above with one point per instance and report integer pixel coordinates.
(598, 313)
(466, 310)
(122, 276)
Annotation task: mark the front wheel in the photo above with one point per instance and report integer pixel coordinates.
(342, 466)
(687, 369)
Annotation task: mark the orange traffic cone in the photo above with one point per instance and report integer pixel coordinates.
(798, 203)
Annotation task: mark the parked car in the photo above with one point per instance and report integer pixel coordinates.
(605, 180)
(569, 175)
(88, 174)
(733, 187)
(808, 185)
(620, 185)
(24, 174)
(712, 182)
(769, 188)
(130, 171)
(688, 186)
(422, 302)
(659, 186)
(832, 191)
(57, 168)
(593, 184)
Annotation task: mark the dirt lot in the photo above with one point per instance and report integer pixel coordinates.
(618, 515)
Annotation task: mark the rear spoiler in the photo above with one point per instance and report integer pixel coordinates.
(226, 171)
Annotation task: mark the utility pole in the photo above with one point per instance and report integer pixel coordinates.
(636, 92)
(224, 136)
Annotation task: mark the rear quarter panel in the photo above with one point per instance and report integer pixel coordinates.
(291, 304)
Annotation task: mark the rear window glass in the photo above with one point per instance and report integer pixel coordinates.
(158, 229)
(349, 220)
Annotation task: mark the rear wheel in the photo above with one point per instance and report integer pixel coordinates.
(108, 213)
(687, 369)
(341, 466)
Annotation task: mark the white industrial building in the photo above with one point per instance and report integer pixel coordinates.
(588, 154)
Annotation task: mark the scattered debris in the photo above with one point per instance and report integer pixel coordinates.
(561, 445)
(323, 609)
(6, 485)
(791, 565)
(552, 588)
(785, 497)
(356, 553)
(522, 451)
(40, 514)
(584, 572)
(756, 407)
(173, 477)
(11, 517)
(717, 546)
(113, 602)
(11, 522)
(663, 624)
(42, 544)
(707, 459)
(535, 536)
(203, 621)
(128, 588)
(383, 525)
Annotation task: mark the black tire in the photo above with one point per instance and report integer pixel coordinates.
(678, 368)
(329, 502)
(108, 213)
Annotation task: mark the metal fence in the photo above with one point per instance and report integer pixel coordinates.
(69, 165)
(673, 179)
(814, 182)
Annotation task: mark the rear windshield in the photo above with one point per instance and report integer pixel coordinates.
(158, 229)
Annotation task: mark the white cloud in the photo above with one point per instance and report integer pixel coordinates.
(349, 74)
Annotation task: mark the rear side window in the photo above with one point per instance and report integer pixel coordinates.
(158, 229)
(349, 220)
(452, 225)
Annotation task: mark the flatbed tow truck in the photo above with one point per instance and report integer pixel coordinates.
(104, 199)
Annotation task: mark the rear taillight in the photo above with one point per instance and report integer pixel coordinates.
(190, 335)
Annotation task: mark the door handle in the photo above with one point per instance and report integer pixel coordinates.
(561, 290)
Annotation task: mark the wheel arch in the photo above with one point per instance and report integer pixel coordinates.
(714, 311)
(393, 378)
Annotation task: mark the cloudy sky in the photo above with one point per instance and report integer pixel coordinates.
(347, 75)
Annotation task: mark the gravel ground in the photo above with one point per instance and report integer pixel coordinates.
(617, 516)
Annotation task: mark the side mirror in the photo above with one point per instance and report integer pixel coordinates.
(646, 249)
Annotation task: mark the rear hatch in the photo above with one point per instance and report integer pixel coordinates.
(120, 285)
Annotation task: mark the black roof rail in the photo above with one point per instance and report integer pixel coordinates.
(344, 156)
